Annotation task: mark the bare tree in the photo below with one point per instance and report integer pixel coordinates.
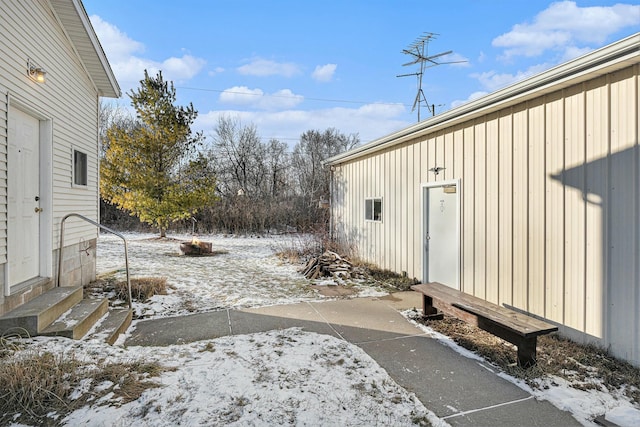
(315, 147)
(277, 163)
(239, 158)
(112, 114)
(311, 177)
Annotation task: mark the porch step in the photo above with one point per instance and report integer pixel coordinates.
(78, 320)
(34, 316)
(114, 323)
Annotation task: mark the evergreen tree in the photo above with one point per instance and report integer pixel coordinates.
(153, 169)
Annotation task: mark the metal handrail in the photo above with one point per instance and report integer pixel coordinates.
(126, 256)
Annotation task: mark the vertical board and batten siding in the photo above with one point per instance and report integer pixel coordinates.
(68, 99)
(550, 206)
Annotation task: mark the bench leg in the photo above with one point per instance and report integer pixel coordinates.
(527, 352)
(428, 310)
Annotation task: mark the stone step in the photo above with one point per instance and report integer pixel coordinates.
(35, 315)
(77, 321)
(114, 323)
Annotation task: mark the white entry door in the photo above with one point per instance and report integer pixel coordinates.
(442, 245)
(23, 232)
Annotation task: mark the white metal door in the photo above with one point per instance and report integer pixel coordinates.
(23, 232)
(441, 236)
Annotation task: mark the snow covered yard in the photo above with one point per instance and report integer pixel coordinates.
(243, 272)
(279, 377)
(288, 377)
(273, 378)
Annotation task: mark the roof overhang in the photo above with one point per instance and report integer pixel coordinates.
(75, 22)
(608, 59)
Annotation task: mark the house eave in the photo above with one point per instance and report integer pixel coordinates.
(74, 20)
(608, 59)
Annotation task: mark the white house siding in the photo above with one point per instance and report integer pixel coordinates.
(4, 106)
(550, 204)
(68, 97)
(67, 104)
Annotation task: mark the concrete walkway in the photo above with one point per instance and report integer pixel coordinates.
(462, 391)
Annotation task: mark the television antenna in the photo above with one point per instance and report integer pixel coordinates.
(419, 52)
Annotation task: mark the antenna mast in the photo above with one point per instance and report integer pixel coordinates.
(419, 51)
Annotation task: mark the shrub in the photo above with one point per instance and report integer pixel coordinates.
(142, 288)
(42, 388)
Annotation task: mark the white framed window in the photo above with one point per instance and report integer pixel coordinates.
(373, 209)
(79, 168)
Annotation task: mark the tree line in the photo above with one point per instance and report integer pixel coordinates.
(156, 171)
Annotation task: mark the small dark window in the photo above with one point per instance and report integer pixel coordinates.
(373, 209)
(79, 168)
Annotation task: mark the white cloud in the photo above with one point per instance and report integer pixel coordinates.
(127, 63)
(369, 121)
(492, 80)
(216, 71)
(324, 73)
(264, 67)
(564, 25)
(256, 98)
(455, 60)
(472, 97)
(116, 44)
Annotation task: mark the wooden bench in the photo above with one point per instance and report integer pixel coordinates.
(517, 328)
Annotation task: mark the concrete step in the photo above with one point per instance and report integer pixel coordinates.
(77, 321)
(34, 316)
(114, 323)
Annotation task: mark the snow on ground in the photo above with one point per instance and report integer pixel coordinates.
(272, 378)
(244, 272)
(279, 377)
(585, 405)
(288, 377)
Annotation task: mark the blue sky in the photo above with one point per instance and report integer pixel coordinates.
(288, 66)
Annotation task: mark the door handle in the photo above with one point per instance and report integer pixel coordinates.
(38, 210)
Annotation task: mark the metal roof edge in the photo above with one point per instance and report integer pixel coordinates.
(621, 51)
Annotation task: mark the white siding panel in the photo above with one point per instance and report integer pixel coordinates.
(575, 211)
(554, 209)
(468, 212)
(417, 212)
(505, 211)
(480, 214)
(623, 212)
(521, 207)
(597, 197)
(396, 219)
(536, 220)
(4, 107)
(403, 205)
(412, 230)
(493, 197)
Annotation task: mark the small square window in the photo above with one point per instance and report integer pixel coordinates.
(79, 168)
(373, 209)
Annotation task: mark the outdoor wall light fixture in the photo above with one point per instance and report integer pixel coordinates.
(436, 170)
(37, 74)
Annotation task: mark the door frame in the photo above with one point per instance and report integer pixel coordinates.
(424, 190)
(45, 221)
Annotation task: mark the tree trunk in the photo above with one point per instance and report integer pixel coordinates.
(163, 232)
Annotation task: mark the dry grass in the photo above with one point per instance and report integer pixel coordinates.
(388, 279)
(42, 388)
(141, 289)
(583, 366)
